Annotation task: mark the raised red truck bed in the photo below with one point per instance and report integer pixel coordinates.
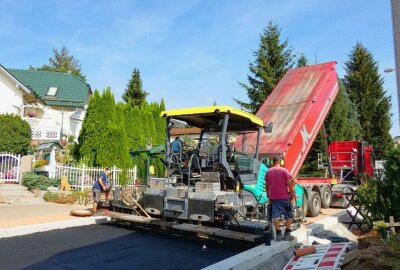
(297, 108)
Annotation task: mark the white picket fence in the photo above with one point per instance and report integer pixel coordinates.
(9, 167)
(83, 177)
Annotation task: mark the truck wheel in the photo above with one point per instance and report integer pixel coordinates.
(314, 204)
(326, 197)
(305, 207)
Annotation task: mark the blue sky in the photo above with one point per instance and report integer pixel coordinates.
(190, 52)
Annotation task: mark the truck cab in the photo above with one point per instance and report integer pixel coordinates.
(351, 160)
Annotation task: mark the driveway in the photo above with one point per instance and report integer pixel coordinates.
(108, 247)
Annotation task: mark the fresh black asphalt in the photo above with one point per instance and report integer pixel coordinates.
(108, 247)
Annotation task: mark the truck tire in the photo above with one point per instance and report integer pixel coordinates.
(305, 207)
(326, 196)
(314, 204)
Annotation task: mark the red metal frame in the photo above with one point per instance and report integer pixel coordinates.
(341, 153)
(316, 180)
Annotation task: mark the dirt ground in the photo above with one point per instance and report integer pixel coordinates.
(376, 253)
(22, 215)
(324, 213)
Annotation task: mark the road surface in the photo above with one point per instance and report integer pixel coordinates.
(108, 247)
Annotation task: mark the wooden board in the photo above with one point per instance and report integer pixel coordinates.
(350, 256)
(129, 217)
(138, 219)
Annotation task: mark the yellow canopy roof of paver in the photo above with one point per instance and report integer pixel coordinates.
(208, 118)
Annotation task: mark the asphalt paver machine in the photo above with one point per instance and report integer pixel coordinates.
(206, 181)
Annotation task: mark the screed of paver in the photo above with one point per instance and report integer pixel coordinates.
(20, 215)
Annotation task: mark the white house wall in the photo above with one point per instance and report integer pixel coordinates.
(11, 97)
(63, 117)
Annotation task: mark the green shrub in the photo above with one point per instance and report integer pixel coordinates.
(391, 185)
(36, 181)
(41, 162)
(82, 196)
(15, 134)
(50, 196)
(382, 197)
(60, 197)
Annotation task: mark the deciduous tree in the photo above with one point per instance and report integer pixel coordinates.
(15, 134)
(62, 61)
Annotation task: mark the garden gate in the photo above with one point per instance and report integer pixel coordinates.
(9, 167)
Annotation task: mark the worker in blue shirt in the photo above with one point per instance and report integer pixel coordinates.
(101, 185)
(177, 145)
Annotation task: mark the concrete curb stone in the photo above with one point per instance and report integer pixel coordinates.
(254, 258)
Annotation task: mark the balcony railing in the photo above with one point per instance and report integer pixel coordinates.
(44, 129)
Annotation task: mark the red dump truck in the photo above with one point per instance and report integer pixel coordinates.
(297, 108)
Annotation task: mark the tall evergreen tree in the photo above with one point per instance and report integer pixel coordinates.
(63, 62)
(365, 86)
(272, 59)
(114, 149)
(103, 140)
(342, 120)
(110, 131)
(134, 92)
(88, 142)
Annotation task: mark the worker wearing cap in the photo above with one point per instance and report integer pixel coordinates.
(101, 185)
(280, 193)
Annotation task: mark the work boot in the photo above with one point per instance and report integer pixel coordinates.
(278, 235)
(288, 236)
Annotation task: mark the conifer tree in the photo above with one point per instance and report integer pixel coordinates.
(103, 140)
(110, 131)
(342, 120)
(114, 147)
(90, 131)
(134, 92)
(302, 61)
(365, 86)
(272, 59)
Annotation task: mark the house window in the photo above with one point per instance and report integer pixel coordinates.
(52, 91)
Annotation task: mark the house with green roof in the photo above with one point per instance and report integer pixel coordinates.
(53, 103)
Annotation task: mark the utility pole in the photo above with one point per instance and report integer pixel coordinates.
(395, 4)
